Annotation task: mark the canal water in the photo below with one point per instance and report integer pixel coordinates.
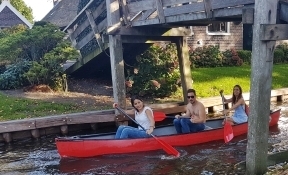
(33, 157)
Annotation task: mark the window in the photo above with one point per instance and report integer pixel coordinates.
(218, 28)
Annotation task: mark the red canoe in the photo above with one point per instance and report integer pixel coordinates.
(101, 144)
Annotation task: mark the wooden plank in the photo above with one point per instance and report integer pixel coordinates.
(94, 28)
(186, 17)
(273, 32)
(72, 39)
(90, 118)
(125, 11)
(79, 15)
(248, 15)
(145, 22)
(261, 83)
(208, 8)
(99, 10)
(190, 8)
(184, 66)
(50, 121)
(229, 12)
(138, 6)
(143, 39)
(17, 125)
(176, 3)
(147, 13)
(80, 28)
(116, 55)
(160, 11)
(217, 4)
(91, 35)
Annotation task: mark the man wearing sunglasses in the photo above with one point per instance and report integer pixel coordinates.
(195, 117)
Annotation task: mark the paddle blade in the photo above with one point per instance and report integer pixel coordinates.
(228, 132)
(167, 148)
(159, 116)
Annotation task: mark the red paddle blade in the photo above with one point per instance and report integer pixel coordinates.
(228, 132)
(167, 148)
(159, 116)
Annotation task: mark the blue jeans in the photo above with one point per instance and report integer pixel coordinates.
(184, 125)
(124, 132)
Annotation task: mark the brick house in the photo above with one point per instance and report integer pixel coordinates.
(226, 35)
(9, 16)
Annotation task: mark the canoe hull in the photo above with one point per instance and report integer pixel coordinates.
(90, 147)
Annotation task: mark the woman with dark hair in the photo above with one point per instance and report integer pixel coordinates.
(238, 105)
(143, 115)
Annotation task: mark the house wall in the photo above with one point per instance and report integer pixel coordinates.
(233, 40)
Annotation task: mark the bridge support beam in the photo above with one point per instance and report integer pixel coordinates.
(261, 80)
(116, 55)
(184, 65)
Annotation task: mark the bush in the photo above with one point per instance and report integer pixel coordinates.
(231, 58)
(207, 56)
(284, 48)
(13, 78)
(245, 55)
(155, 73)
(278, 56)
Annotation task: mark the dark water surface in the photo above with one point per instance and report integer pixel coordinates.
(40, 157)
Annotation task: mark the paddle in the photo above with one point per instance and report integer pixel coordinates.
(228, 131)
(160, 116)
(165, 146)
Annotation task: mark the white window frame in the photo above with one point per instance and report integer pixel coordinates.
(220, 33)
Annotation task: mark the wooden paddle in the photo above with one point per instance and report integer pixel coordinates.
(165, 146)
(160, 116)
(228, 130)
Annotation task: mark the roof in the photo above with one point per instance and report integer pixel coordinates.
(62, 13)
(9, 16)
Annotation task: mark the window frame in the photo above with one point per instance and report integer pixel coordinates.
(228, 24)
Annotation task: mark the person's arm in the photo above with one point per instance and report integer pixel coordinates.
(239, 102)
(152, 121)
(187, 114)
(129, 112)
(201, 118)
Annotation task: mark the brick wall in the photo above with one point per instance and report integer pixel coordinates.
(234, 40)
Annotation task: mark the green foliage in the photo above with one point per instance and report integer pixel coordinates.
(22, 8)
(207, 56)
(284, 48)
(231, 58)
(279, 56)
(49, 69)
(245, 55)
(155, 73)
(30, 44)
(13, 78)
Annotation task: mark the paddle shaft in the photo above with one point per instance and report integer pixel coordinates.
(223, 103)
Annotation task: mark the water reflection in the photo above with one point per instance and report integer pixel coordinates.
(41, 157)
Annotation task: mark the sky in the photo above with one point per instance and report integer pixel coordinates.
(40, 7)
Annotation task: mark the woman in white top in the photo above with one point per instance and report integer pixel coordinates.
(143, 115)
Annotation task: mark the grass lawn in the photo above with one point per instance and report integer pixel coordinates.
(207, 83)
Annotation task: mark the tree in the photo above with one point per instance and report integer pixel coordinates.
(22, 8)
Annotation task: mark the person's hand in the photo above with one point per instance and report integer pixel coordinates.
(177, 116)
(225, 111)
(150, 130)
(115, 105)
(191, 119)
(221, 91)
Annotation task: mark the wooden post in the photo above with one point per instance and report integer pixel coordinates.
(116, 55)
(64, 129)
(7, 137)
(261, 79)
(184, 65)
(35, 133)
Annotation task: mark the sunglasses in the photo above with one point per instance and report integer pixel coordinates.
(190, 96)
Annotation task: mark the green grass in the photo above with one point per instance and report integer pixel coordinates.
(12, 108)
(207, 83)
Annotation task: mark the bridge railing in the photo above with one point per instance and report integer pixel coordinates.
(152, 12)
(86, 28)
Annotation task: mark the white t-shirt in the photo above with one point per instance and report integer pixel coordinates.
(143, 119)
